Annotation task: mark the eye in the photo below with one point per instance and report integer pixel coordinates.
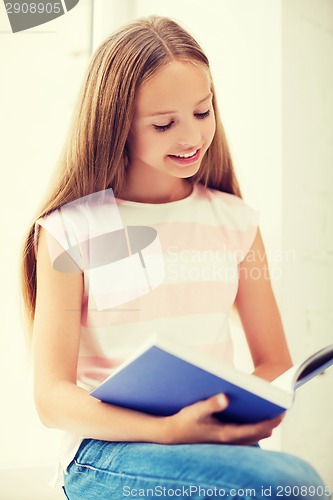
(201, 116)
(162, 128)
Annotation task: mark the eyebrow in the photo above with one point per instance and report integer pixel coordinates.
(160, 113)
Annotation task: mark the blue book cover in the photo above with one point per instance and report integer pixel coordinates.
(165, 377)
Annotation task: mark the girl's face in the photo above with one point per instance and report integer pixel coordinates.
(173, 123)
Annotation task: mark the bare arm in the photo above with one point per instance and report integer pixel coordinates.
(59, 401)
(260, 316)
(62, 404)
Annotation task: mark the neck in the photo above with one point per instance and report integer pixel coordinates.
(155, 189)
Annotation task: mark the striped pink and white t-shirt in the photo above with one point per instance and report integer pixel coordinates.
(169, 269)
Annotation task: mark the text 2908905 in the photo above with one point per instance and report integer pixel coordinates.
(33, 8)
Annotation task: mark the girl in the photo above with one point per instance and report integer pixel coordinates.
(147, 150)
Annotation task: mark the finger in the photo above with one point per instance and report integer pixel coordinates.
(247, 433)
(205, 408)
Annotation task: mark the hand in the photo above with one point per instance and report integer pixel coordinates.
(196, 424)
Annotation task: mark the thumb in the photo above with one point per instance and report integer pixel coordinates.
(214, 404)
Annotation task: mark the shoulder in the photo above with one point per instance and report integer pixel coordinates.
(236, 219)
(84, 217)
(230, 207)
(216, 196)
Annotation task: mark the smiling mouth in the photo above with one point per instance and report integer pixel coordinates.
(186, 155)
(186, 158)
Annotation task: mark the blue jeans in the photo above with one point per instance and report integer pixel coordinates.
(106, 470)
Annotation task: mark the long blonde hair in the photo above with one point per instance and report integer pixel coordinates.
(95, 157)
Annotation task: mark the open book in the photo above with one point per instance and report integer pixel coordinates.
(164, 377)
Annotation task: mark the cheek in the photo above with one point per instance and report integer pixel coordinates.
(156, 143)
(138, 143)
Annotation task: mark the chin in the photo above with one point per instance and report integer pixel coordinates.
(188, 171)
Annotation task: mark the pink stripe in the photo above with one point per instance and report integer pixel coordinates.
(193, 236)
(99, 362)
(96, 367)
(169, 301)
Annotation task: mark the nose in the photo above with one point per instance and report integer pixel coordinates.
(189, 134)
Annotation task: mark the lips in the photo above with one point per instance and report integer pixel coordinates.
(186, 158)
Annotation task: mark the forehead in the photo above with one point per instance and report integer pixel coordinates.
(175, 85)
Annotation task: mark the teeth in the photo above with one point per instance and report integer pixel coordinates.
(188, 155)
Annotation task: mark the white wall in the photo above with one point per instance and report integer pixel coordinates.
(307, 177)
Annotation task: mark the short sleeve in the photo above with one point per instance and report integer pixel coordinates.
(71, 229)
(64, 256)
(239, 223)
